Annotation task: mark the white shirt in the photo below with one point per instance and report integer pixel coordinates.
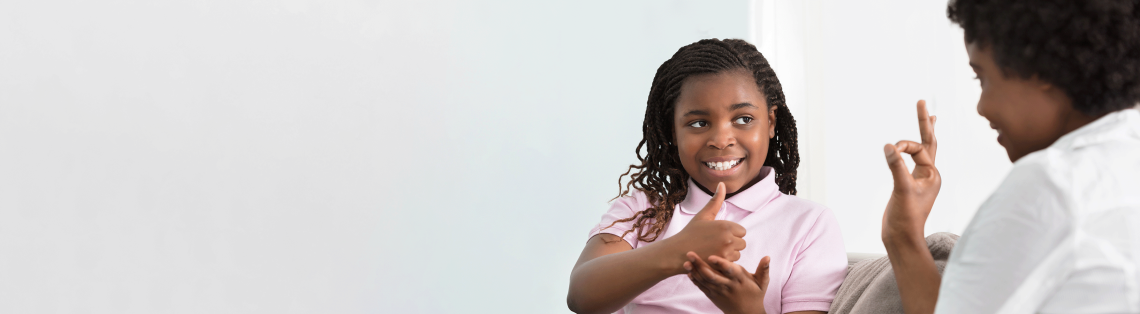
(1062, 232)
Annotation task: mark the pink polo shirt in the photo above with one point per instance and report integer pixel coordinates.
(802, 237)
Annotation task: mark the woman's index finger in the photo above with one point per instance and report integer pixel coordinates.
(925, 124)
(926, 130)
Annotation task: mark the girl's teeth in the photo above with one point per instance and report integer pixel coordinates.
(723, 165)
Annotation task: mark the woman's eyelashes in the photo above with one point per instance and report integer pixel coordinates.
(698, 124)
(743, 120)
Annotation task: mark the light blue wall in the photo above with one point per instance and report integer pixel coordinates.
(318, 156)
(540, 114)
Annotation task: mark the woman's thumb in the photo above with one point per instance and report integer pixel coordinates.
(898, 166)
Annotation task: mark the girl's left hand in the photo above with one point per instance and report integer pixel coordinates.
(730, 287)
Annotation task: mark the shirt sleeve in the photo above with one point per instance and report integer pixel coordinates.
(819, 269)
(623, 208)
(1013, 231)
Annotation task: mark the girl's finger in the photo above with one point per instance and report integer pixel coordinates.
(694, 270)
(739, 244)
(701, 286)
(700, 281)
(706, 273)
(733, 255)
(728, 269)
(761, 275)
(736, 229)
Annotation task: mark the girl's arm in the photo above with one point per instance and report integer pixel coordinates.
(610, 273)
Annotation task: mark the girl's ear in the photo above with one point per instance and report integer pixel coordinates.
(772, 122)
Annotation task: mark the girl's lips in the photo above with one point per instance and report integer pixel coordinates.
(722, 158)
(723, 168)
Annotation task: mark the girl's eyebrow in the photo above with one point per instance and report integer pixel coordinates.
(696, 113)
(741, 105)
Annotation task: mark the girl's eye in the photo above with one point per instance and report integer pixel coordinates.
(698, 124)
(743, 120)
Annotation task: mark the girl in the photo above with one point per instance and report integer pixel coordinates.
(716, 181)
(1061, 234)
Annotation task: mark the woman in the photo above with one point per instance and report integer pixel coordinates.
(1060, 80)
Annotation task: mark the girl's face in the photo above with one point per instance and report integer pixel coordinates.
(722, 127)
(1028, 114)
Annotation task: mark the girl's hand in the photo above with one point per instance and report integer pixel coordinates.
(730, 287)
(707, 236)
(914, 192)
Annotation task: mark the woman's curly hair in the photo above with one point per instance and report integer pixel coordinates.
(660, 175)
(1089, 49)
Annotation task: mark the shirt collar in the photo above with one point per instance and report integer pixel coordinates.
(1124, 122)
(750, 199)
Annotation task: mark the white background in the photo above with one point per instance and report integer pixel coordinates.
(426, 157)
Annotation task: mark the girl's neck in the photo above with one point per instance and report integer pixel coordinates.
(763, 173)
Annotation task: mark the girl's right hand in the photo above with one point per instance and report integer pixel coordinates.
(707, 236)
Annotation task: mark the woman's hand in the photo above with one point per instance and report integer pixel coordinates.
(730, 287)
(903, 221)
(914, 192)
(707, 236)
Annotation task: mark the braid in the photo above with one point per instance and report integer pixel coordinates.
(660, 175)
(784, 149)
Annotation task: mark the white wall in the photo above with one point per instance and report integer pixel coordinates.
(425, 157)
(318, 156)
(852, 72)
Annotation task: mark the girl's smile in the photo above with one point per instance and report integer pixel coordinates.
(722, 166)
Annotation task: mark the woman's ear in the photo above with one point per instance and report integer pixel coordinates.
(772, 122)
(1042, 85)
(1051, 90)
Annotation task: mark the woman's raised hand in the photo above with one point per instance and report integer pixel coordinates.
(707, 236)
(914, 191)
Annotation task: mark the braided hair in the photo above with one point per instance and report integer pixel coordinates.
(660, 175)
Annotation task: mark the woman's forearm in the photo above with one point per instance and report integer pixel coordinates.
(606, 283)
(915, 272)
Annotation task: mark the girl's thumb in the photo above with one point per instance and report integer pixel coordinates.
(713, 207)
(761, 274)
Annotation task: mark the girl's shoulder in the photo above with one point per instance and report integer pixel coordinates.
(633, 201)
(615, 220)
(795, 205)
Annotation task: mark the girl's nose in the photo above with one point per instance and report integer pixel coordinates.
(722, 138)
